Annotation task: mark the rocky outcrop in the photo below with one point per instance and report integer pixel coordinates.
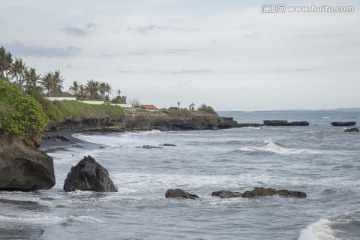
(89, 175)
(284, 123)
(263, 192)
(164, 122)
(23, 167)
(55, 136)
(343, 124)
(142, 120)
(179, 193)
(352, 130)
(226, 194)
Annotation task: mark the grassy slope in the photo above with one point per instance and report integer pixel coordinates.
(74, 110)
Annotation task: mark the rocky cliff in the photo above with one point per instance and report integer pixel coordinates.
(147, 120)
(23, 167)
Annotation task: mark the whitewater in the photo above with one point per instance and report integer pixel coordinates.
(321, 160)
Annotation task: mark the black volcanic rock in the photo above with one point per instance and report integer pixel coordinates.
(263, 192)
(343, 124)
(284, 123)
(89, 175)
(352, 130)
(299, 123)
(226, 194)
(179, 193)
(23, 167)
(168, 145)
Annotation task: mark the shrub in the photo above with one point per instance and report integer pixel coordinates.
(206, 109)
(20, 115)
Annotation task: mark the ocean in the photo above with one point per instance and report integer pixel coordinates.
(321, 160)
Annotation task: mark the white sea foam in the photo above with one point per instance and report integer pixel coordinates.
(120, 139)
(320, 230)
(274, 147)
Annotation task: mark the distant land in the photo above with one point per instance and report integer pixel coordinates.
(300, 110)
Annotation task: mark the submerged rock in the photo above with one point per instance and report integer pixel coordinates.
(23, 167)
(179, 193)
(226, 194)
(352, 130)
(150, 147)
(168, 145)
(343, 124)
(263, 192)
(89, 175)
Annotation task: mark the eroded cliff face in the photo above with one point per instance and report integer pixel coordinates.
(23, 167)
(149, 120)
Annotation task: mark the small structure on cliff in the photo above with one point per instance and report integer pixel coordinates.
(192, 107)
(148, 107)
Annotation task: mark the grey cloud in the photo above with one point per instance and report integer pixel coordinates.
(91, 25)
(145, 52)
(19, 49)
(191, 71)
(74, 31)
(252, 35)
(149, 28)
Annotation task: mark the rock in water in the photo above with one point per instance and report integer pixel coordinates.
(343, 124)
(226, 194)
(23, 167)
(88, 175)
(285, 123)
(263, 192)
(179, 193)
(352, 130)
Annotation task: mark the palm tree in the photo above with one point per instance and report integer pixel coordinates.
(82, 91)
(52, 82)
(75, 87)
(92, 87)
(17, 71)
(57, 81)
(31, 78)
(47, 82)
(6, 62)
(108, 90)
(102, 90)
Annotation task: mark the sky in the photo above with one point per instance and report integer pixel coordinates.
(228, 54)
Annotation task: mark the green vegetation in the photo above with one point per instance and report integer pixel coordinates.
(20, 114)
(74, 110)
(51, 83)
(207, 109)
(183, 112)
(17, 72)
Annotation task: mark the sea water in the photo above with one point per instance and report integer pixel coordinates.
(321, 160)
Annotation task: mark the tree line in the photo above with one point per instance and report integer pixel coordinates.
(28, 80)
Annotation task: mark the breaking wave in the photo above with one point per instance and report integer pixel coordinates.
(271, 146)
(319, 230)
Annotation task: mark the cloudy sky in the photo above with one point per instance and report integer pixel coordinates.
(225, 53)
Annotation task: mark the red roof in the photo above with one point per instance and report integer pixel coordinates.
(148, 106)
